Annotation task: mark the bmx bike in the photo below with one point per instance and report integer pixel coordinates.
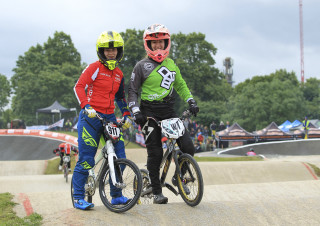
(117, 172)
(187, 171)
(65, 168)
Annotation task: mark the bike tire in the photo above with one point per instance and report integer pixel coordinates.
(65, 172)
(87, 197)
(146, 185)
(130, 176)
(193, 178)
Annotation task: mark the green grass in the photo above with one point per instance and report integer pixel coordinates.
(315, 169)
(224, 159)
(53, 164)
(9, 217)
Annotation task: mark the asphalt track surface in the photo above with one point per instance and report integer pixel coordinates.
(282, 190)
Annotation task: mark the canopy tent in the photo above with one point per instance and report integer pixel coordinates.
(284, 126)
(234, 133)
(272, 132)
(56, 107)
(296, 123)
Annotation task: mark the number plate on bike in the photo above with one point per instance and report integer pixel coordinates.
(66, 158)
(172, 128)
(113, 131)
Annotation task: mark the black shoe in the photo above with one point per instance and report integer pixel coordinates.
(184, 186)
(160, 199)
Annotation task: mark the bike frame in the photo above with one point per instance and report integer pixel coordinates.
(171, 153)
(107, 156)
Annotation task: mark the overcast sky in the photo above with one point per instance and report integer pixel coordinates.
(261, 36)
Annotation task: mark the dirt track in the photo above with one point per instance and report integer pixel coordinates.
(281, 191)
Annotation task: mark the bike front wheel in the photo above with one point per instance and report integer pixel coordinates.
(128, 175)
(191, 184)
(65, 172)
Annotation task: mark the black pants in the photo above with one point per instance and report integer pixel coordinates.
(152, 136)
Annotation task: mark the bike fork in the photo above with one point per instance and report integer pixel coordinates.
(111, 156)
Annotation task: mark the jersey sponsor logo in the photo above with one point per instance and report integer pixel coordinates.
(117, 75)
(87, 138)
(168, 77)
(117, 79)
(86, 165)
(147, 130)
(105, 74)
(148, 66)
(157, 96)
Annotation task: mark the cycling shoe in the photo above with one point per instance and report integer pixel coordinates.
(122, 200)
(160, 199)
(83, 204)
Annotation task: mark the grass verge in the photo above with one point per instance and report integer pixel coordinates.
(222, 159)
(9, 217)
(53, 164)
(315, 169)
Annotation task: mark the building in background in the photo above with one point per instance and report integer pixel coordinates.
(228, 70)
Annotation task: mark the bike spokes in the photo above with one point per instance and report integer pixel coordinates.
(146, 194)
(125, 195)
(191, 184)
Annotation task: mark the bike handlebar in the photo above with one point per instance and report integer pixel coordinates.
(185, 114)
(103, 120)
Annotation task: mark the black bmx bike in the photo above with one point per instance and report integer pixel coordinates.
(187, 171)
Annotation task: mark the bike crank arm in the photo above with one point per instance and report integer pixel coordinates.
(174, 191)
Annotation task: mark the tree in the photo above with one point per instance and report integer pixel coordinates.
(133, 51)
(194, 56)
(4, 91)
(60, 49)
(311, 93)
(272, 99)
(45, 74)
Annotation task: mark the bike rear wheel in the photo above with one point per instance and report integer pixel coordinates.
(131, 180)
(192, 179)
(87, 197)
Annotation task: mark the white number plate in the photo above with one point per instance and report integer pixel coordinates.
(113, 131)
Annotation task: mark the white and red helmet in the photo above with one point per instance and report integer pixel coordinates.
(157, 32)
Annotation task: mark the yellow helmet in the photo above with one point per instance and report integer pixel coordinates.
(110, 39)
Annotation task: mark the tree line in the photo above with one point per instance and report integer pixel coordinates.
(48, 72)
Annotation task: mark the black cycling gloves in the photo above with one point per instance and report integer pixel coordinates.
(139, 118)
(193, 107)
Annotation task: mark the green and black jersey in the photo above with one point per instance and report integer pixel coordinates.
(156, 81)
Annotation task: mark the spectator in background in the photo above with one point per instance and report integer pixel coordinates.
(205, 133)
(306, 124)
(213, 128)
(68, 125)
(227, 124)
(251, 152)
(192, 134)
(221, 126)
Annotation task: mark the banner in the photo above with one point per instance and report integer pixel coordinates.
(57, 124)
(42, 127)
